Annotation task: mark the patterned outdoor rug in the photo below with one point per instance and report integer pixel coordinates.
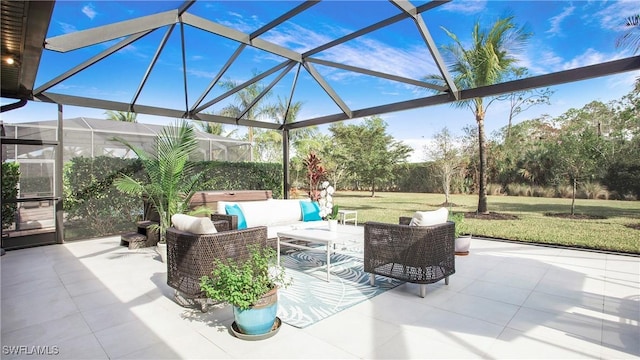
(311, 298)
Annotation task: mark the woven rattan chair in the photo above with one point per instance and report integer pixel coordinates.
(416, 254)
(190, 256)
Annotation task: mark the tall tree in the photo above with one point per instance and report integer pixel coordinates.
(214, 128)
(521, 101)
(124, 116)
(488, 60)
(445, 153)
(578, 153)
(244, 98)
(270, 142)
(369, 152)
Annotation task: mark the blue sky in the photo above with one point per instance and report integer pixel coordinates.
(566, 35)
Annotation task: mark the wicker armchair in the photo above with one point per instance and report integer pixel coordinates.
(190, 256)
(416, 254)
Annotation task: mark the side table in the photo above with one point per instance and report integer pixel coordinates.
(348, 215)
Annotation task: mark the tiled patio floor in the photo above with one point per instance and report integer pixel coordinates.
(96, 300)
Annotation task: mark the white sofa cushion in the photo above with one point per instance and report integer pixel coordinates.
(256, 213)
(428, 218)
(276, 214)
(284, 211)
(193, 224)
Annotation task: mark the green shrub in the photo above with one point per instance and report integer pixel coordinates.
(221, 175)
(242, 283)
(593, 190)
(543, 191)
(10, 176)
(519, 190)
(91, 199)
(565, 191)
(494, 189)
(623, 176)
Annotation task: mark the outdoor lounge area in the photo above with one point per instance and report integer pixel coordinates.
(95, 299)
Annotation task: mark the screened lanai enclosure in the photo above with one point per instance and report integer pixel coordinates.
(97, 137)
(31, 146)
(342, 60)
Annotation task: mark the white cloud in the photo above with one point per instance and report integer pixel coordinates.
(67, 28)
(242, 24)
(541, 61)
(556, 21)
(589, 57)
(465, 7)
(613, 16)
(418, 146)
(89, 11)
(413, 62)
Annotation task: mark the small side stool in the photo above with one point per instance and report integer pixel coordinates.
(348, 215)
(133, 240)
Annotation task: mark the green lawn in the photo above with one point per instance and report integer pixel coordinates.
(532, 225)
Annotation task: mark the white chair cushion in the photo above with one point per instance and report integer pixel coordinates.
(193, 224)
(428, 218)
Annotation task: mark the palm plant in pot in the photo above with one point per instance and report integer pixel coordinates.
(172, 179)
(461, 234)
(250, 285)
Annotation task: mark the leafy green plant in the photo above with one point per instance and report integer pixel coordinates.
(172, 179)
(10, 176)
(460, 228)
(242, 283)
(333, 215)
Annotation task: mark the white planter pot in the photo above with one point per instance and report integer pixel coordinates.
(333, 225)
(161, 248)
(462, 245)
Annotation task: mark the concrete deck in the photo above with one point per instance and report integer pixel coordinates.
(96, 300)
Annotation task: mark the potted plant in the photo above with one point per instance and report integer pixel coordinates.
(171, 176)
(461, 234)
(332, 217)
(250, 286)
(328, 210)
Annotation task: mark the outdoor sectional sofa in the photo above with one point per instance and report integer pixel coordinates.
(276, 214)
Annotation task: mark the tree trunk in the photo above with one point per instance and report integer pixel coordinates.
(482, 179)
(573, 197)
(373, 188)
(446, 185)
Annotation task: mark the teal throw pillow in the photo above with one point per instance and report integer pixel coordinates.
(235, 210)
(310, 211)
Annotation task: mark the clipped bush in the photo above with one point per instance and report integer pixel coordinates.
(565, 191)
(221, 175)
(593, 190)
(519, 190)
(494, 189)
(91, 200)
(10, 177)
(543, 191)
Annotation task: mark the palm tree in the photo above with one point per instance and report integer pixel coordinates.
(124, 116)
(488, 60)
(243, 99)
(210, 127)
(172, 180)
(631, 37)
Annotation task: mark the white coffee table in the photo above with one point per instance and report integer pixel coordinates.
(321, 235)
